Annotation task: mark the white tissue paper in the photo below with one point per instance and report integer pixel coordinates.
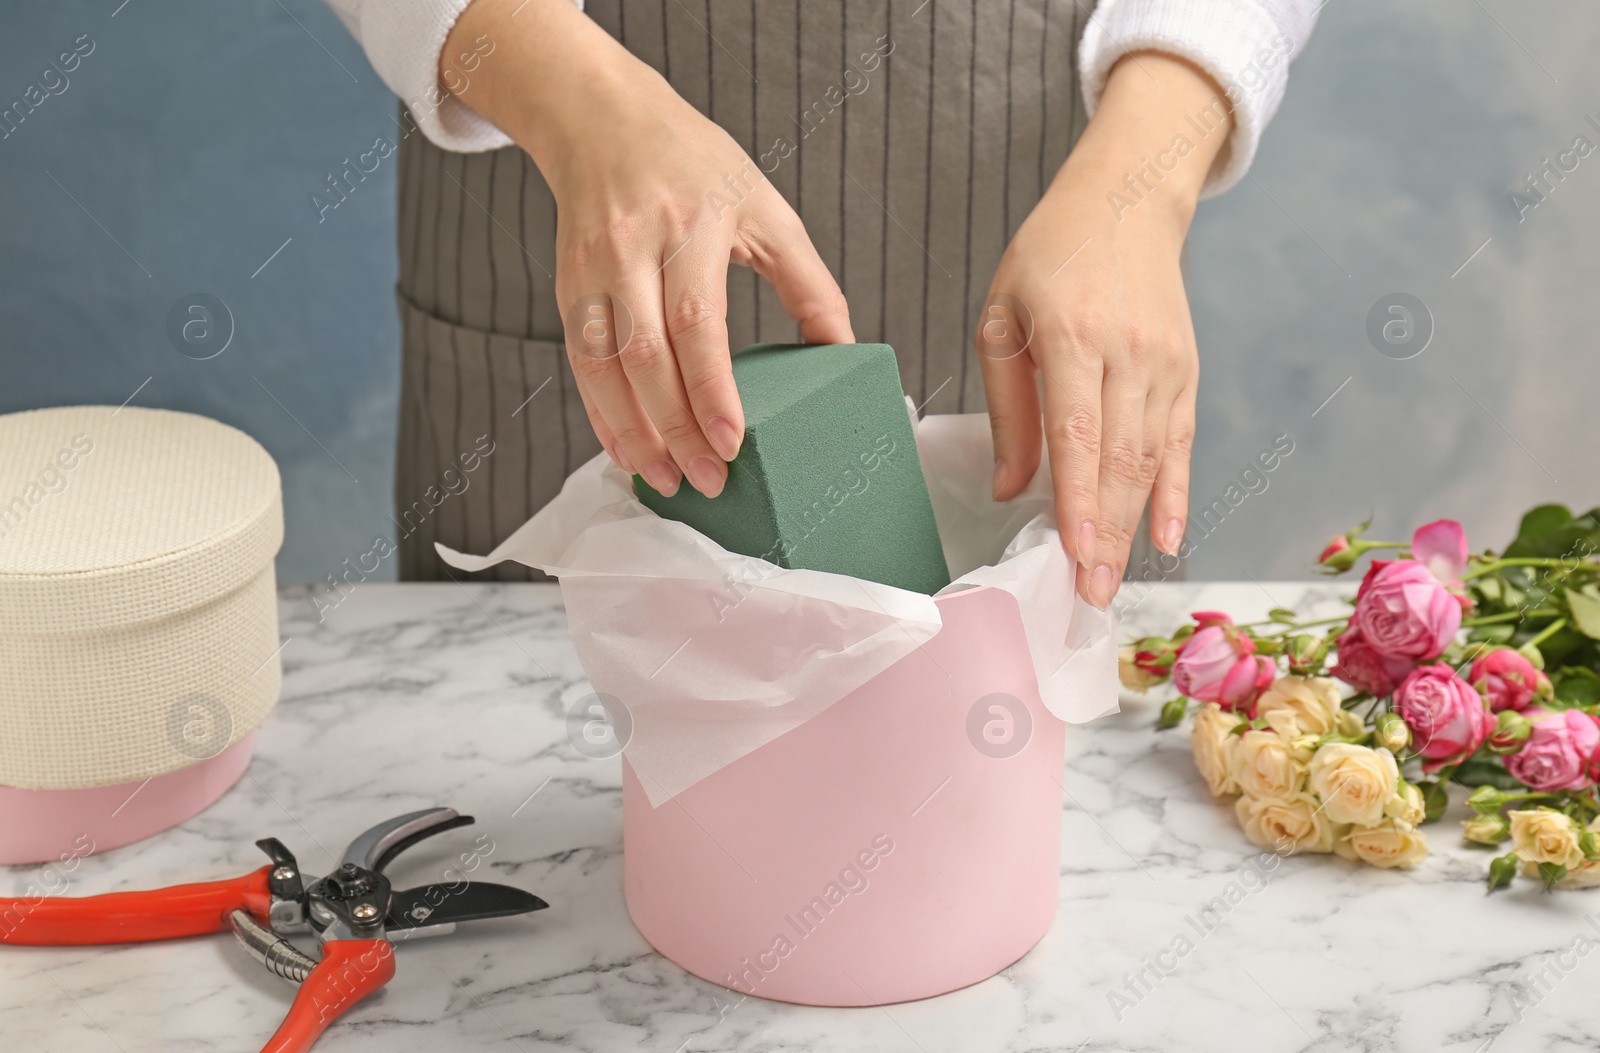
(714, 654)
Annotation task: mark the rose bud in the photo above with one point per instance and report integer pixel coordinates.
(1135, 677)
(1306, 653)
(1592, 769)
(1486, 829)
(1154, 655)
(1502, 870)
(1339, 555)
(1507, 679)
(1390, 732)
(1511, 731)
(1486, 799)
(1173, 711)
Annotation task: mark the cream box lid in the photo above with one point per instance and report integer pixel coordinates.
(114, 516)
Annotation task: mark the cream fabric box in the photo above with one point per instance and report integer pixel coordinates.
(138, 618)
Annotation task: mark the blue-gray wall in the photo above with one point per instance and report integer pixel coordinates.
(194, 134)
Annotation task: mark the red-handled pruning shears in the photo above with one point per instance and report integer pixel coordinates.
(352, 911)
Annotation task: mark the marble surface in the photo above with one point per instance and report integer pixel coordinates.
(408, 696)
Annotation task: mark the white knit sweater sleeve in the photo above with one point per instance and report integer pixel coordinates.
(403, 39)
(1246, 46)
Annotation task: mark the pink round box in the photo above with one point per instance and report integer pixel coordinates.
(42, 826)
(903, 843)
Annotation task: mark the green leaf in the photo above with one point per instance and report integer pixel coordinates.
(1282, 614)
(1576, 686)
(1569, 647)
(1491, 633)
(1537, 525)
(1486, 771)
(1551, 531)
(1585, 610)
(1551, 872)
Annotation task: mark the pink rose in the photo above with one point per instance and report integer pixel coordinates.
(1557, 753)
(1446, 714)
(1507, 679)
(1441, 546)
(1363, 668)
(1402, 611)
(1219, 665)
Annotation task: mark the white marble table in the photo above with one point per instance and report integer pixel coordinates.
(409, 696)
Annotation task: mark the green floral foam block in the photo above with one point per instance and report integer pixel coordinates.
(828, 476)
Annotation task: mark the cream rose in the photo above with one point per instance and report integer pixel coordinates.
(1354, 782)
(1406, 805)
(1264, 765)
(1543, 836)
(1286, 825)
(1214, 743)
(1310, 704)
(1349, 724)
(1584, 875)
(1485, 830)
(1389, 844)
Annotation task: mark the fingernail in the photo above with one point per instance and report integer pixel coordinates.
(724, 437)
(1086, 543)
(1173, 535)
(999, 476)
(706, 476)
(663, 477)
(1102, 586)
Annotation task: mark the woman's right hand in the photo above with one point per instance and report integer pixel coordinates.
(653, 202)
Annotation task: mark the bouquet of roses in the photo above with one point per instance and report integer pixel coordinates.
(1478, 669)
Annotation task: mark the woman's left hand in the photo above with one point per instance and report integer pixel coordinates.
(1090, 297)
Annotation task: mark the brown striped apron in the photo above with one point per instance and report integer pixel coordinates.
(911, 176)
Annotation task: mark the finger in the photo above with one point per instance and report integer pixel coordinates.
(1153, 434)
(602, 431)
(696, 291)
(774, 242)
(1169, 498)
(1072, 431)
(1012, 391)
(648, 360)
(1126, 472)
(608, 396)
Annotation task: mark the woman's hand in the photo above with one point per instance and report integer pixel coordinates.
(1089, 296)
(653, 202)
